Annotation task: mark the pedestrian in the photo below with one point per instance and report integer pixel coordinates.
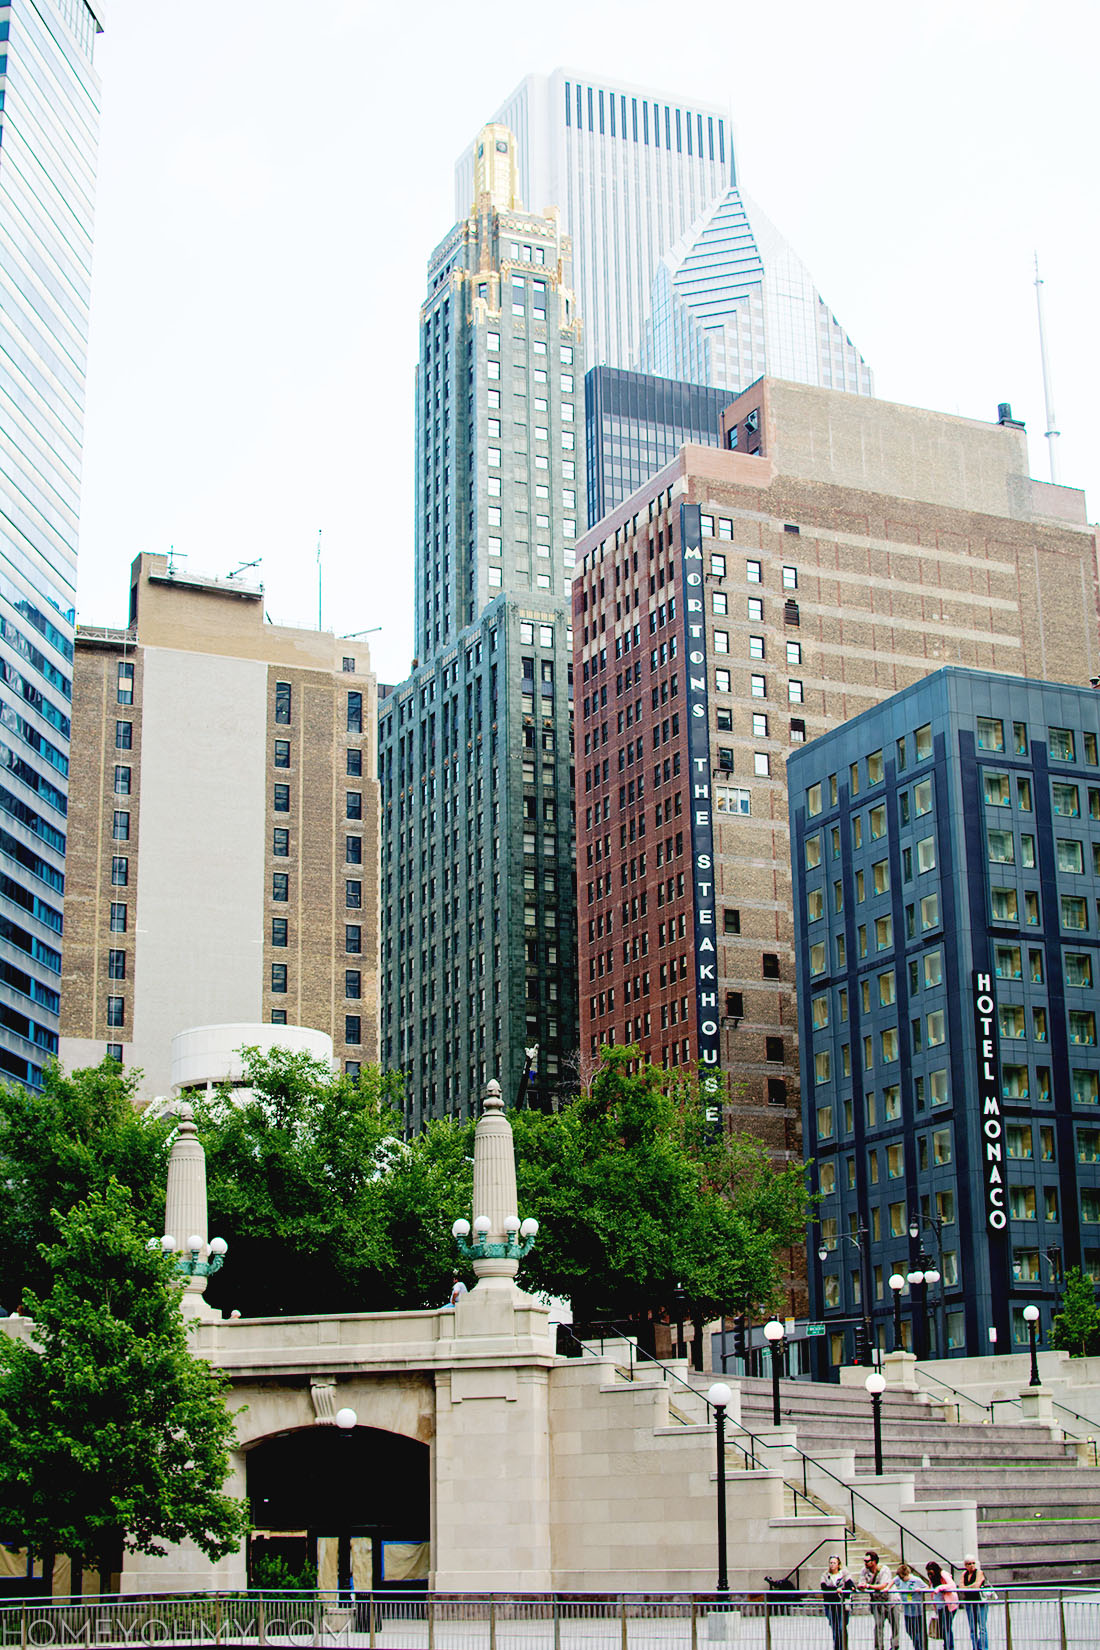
(942, 1583)
(877, 1580)
(911, 1587)
(458, 1289)
(971, 1588)
(836, 1584)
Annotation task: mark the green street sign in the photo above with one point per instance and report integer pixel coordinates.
(815, 1329)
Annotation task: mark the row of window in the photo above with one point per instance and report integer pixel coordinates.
(1062, 743)
(758, 686)
(284, 700)
(917, 746)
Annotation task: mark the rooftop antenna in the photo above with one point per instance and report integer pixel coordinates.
(1051, 432)
(320, 626)
(243, 568)
(174, 556)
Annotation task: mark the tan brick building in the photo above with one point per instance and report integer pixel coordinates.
(223, 829)
(834, 550)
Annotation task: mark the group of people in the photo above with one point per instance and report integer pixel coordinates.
(903, 1595)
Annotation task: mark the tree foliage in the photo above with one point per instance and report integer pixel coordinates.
(1076, 1328)
(112, 1434)
(325, 1207)
(641, 1208)
(56, 1147)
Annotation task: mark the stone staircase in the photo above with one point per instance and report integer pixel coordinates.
(1038, 1510)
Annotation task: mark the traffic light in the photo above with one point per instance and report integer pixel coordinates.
(861, 1342)
(740, 1339)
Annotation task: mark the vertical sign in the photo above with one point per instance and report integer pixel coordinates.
(702, 834)
(989, 1102)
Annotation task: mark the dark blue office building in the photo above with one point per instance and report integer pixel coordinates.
(946, 857)
(635, 424)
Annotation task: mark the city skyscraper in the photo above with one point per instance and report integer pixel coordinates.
(732, 302)
(635, 424)
(677, 273)
(630, 170)
(750, 597)
(49, 126)
(478, 911)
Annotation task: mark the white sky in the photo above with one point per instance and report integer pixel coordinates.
(273, 176)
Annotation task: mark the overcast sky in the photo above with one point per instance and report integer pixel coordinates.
(273, 176)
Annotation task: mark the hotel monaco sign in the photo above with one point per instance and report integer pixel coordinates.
(989, 1095)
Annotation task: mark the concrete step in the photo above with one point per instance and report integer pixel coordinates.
(1055, 1503)
(1019, 1479)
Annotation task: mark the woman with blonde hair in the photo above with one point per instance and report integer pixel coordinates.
(836, 1584)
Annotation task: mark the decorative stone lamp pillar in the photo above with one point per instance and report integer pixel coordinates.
(499, 1240)
(185, 1216)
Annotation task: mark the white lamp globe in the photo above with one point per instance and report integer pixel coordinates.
(1031, 1314)
(346, 1419)
(461, 1228)
(719, 1394)
(482, 1225)
(530, 1227)
(218, 1246)
(897, 1281)
(194, 1243)
(875, 1384)
(773, 1331)
(168, 1244)
(511, 1223)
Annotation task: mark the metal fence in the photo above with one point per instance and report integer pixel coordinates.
(1019, 1619)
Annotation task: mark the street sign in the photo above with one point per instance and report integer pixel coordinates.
(815, 1329)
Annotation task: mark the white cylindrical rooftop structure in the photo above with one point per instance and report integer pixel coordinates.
(204, 1056)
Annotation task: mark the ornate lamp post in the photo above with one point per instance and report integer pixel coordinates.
(197, 1259)
(1031, 1318)
(500, 1239)
(920, 1278)
(897, 1284)
(718, 1397)
(876, 1386)
(773, 1334)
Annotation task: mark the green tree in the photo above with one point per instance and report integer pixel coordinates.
(112, 1434)
(57, 1146)
(640, 1208)
(1076, 1328)
(326, 1208)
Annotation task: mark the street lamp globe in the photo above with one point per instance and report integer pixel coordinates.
(530, 1228)
(168, 1244)
(773, 1331)
(194, 1243)
(482, 1225)
(931, 1276)
(461, 1228)
(1031, 1314)
(822, 1251)
(218, 1246)
(896, 1281)
(915, 1277)
(875, 1384)
(511, 1224)
(346, 1419)
(719, 1393)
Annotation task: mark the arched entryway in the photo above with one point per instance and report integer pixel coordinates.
(346, 1504)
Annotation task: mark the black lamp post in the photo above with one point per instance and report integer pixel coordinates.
(897, 1284)
(1031, 1318)
(679, 1301)
(719, 1397)
(876, 1386)
(773, 1334)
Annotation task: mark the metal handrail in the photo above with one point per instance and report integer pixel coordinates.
(954, 1391)
(993, 1402)
(807, 1460)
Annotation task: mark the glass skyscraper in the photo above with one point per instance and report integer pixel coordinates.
(49, 123)
(732, 302)
(478, 907)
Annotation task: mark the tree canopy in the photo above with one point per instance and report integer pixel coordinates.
(1076, 1328)
(57, 1146)
(112, 1434)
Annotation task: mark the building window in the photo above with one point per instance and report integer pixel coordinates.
(717, 565)
(118, 918)
(1082, 1026)
(761, 765)
(353, 939)
(1071, 856)
(754, 572)
(794, 692)
(1062, 748)
(756, 647)
(125, 690)
(355, 764)
(355, 712)
(722, 681)
(280, 886)
(1075, 913)
(353, 850)
(282, 799)
(124, 736)
(114, 1052)
(122, 781)
(278, 1016)
(282, 701)
(1067, 801)
(352, 1031)
(278, 978)
(353, 984)
(116, 1011)
(120, 826)
(282, 753)
(991, 733)
(730, 799)
(731, 921)
(353, 895)
(794, 653)
(354, 804)
(116, 965)
(790, 578)
(773, 1049)
(120, 871)
(280, 842)
(278, 931)
(769, 965)
(758, 687)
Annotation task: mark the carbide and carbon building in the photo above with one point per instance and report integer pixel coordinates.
(475, 748)
(49, 133)
(946, 860)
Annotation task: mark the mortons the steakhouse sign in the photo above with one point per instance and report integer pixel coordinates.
(989, 1096)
